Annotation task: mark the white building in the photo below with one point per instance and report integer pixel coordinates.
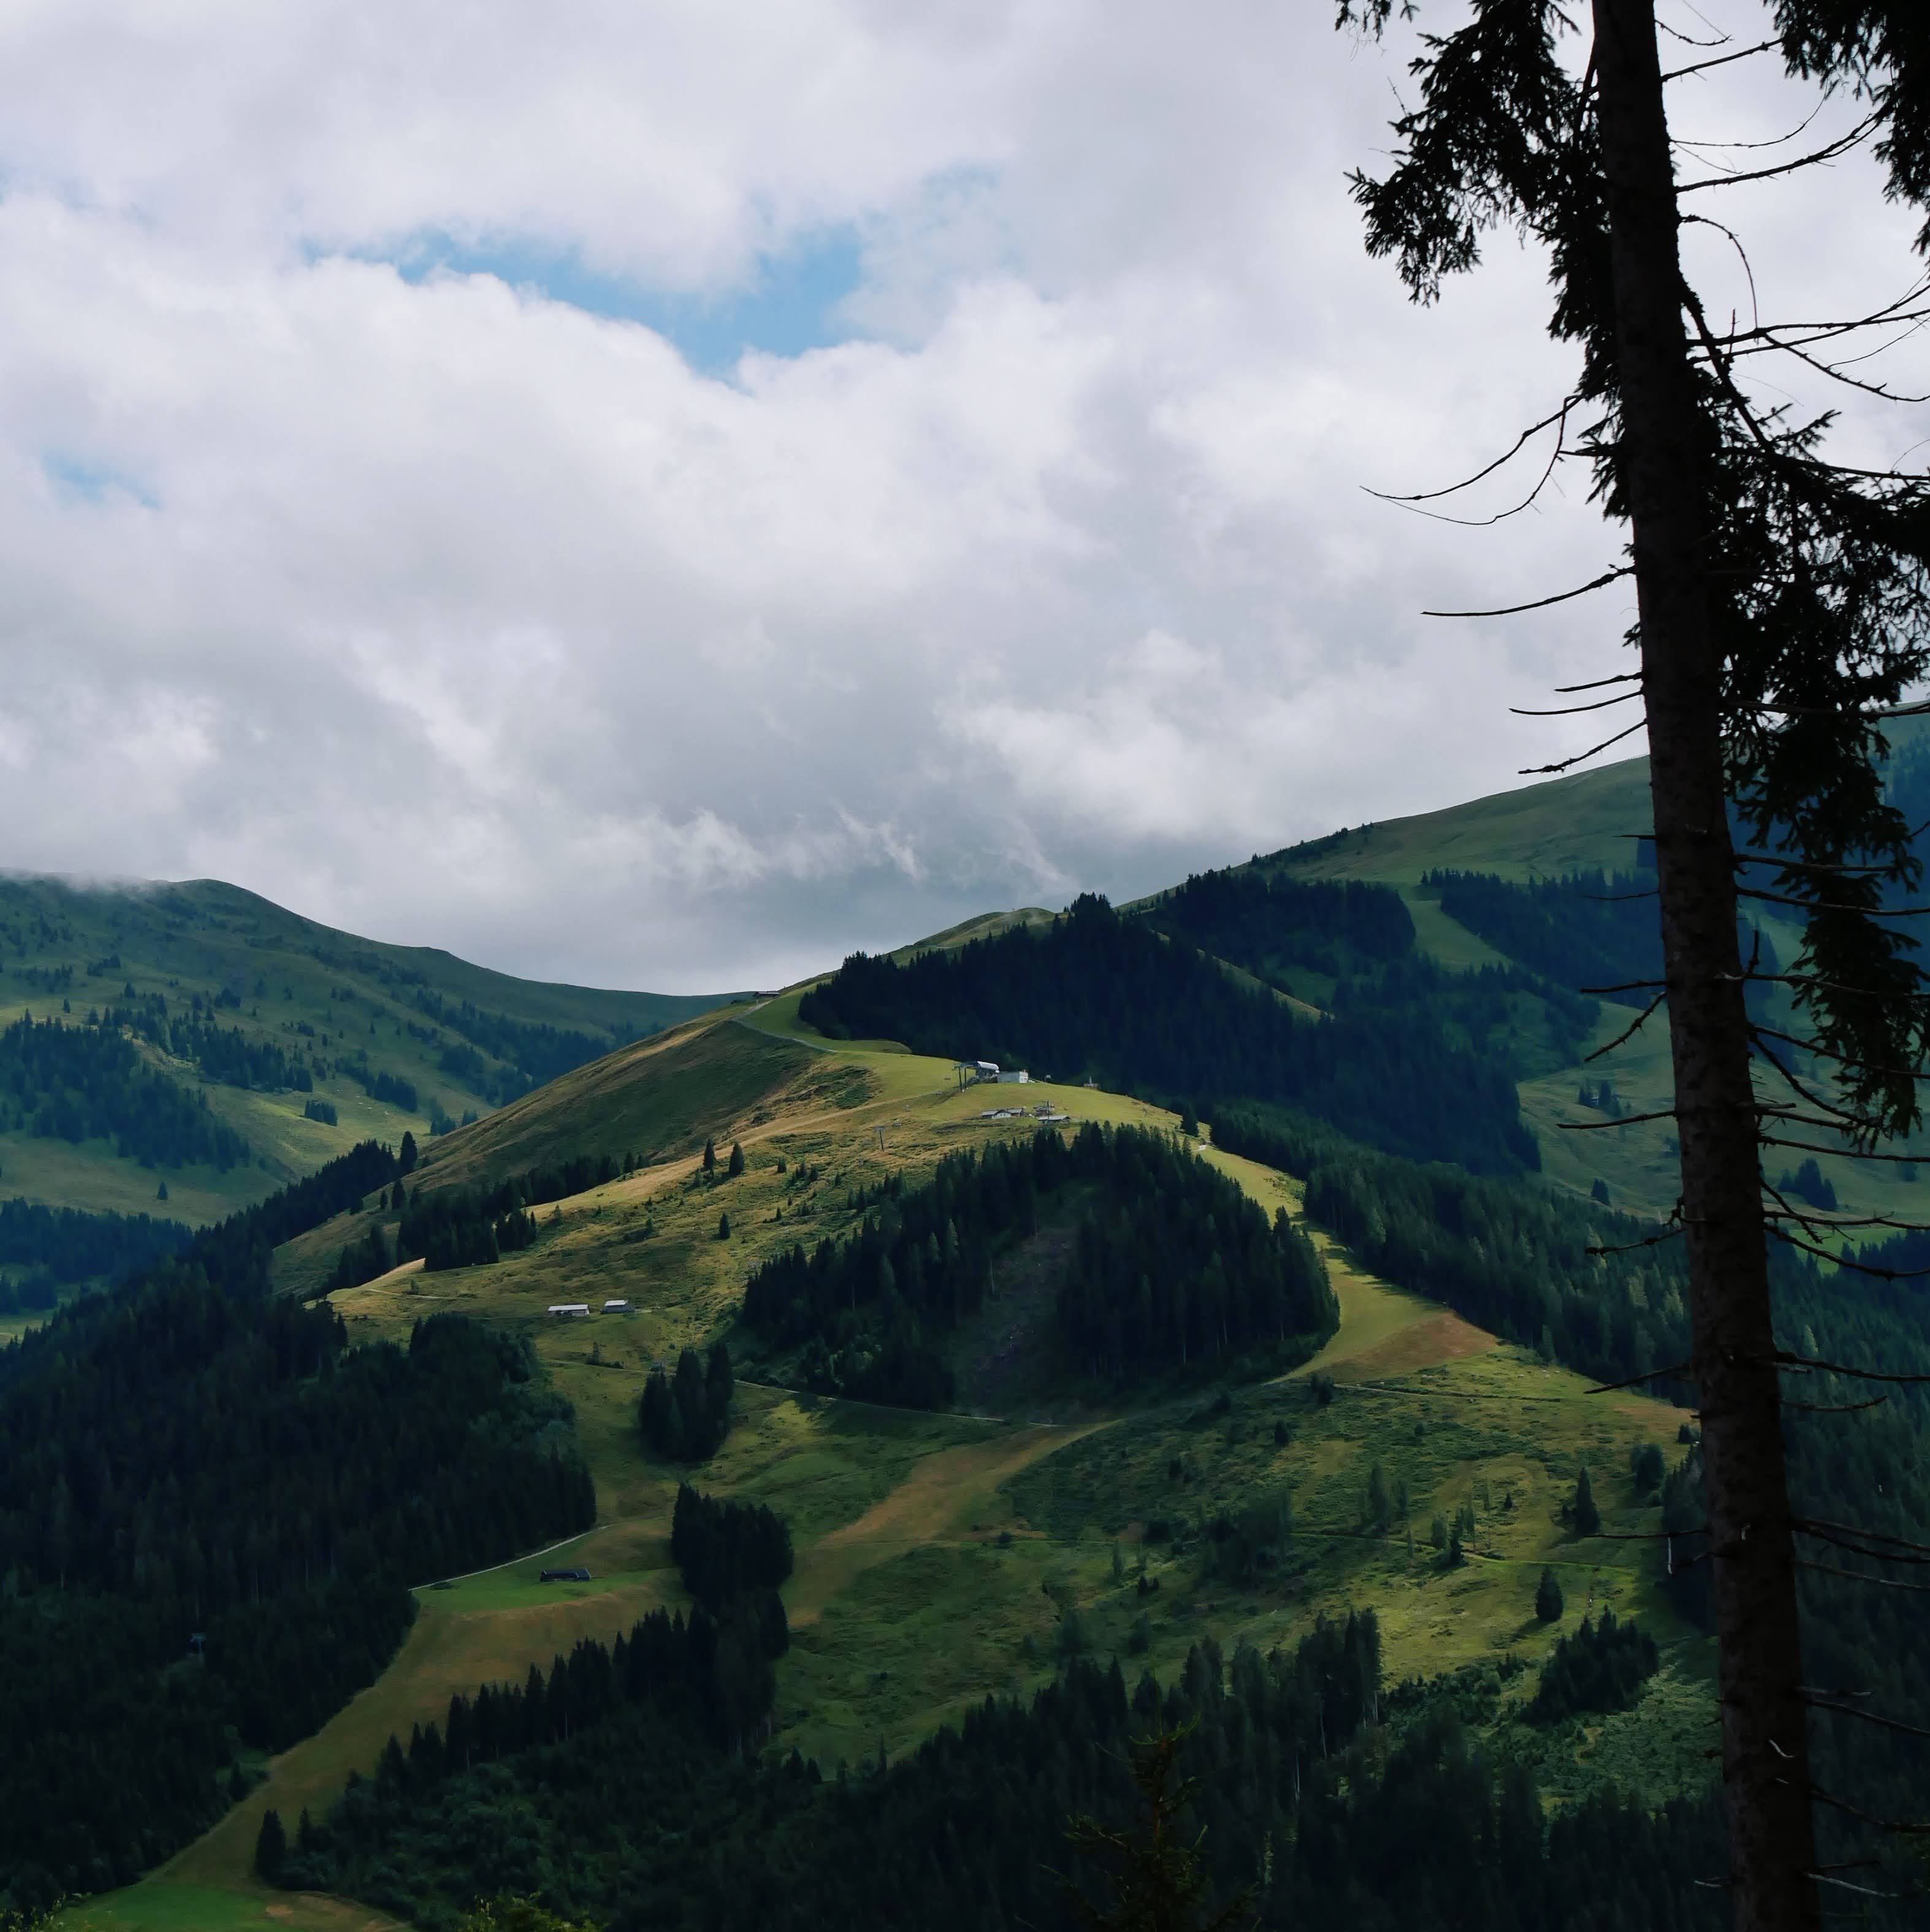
(618, 1307)
(569, 1311)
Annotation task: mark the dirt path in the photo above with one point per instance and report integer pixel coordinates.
(935, 1499)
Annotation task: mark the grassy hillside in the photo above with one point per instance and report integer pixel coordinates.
(944, 1557)
(1538, 832)
(448, 1037)
(981, 925)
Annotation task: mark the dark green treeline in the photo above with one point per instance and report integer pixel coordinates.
(1173, 1268)
(1328, 1816)
(1096, 994)
(211, 1510)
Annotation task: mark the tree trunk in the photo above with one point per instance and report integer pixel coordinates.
(1765, 1750)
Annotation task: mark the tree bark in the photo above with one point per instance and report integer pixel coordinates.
(1765, 1750)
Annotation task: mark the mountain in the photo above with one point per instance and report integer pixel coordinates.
(1045, 1421)
(271, 1019)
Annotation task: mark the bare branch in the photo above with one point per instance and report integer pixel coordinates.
(1514, 450)
(1859, 1268)
(1858, 1577)
(1628, 1032)
(1722, 60)
(1780, 140)
(1834, 371)
(1574, 710)
(1736, 242)
(1598, 684)
(1857, 1543)
(1829, 1053)
(1652, 1376)
(1582, 757)
(1855, 138)
(1784, 1359)
(1824, 905)
(1810, 1525)
(1823, 1797)
(1627, 1119)
(1608, 577)
(1631, 1247)
(1848, 1154)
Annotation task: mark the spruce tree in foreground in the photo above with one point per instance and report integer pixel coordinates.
(1784, 607)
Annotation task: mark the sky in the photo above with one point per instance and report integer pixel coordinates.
(662, 495)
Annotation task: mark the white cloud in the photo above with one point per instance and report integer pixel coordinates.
(446, 611)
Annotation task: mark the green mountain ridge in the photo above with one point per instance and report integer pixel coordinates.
(239, 1001)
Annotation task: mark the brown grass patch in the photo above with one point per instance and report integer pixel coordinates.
(1444, 1337)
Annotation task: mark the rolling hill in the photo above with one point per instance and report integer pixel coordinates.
(263, 1012)
(941, 1554)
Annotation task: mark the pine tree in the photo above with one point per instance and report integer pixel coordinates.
(1380, 1507)
(1587, 1516)
(1158, 1878)
(1548, 1597)
(710, 1156)
(1781, 600)
(736, 1166)
(271, 1847)
(406, 1159)
(723, 1227)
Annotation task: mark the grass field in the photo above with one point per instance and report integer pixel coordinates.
(1536, 831)
(938, 1555)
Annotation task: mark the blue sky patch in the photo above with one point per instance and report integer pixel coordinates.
(795, 304)
(76, 477)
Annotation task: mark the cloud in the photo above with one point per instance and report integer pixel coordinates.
(424, 500)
